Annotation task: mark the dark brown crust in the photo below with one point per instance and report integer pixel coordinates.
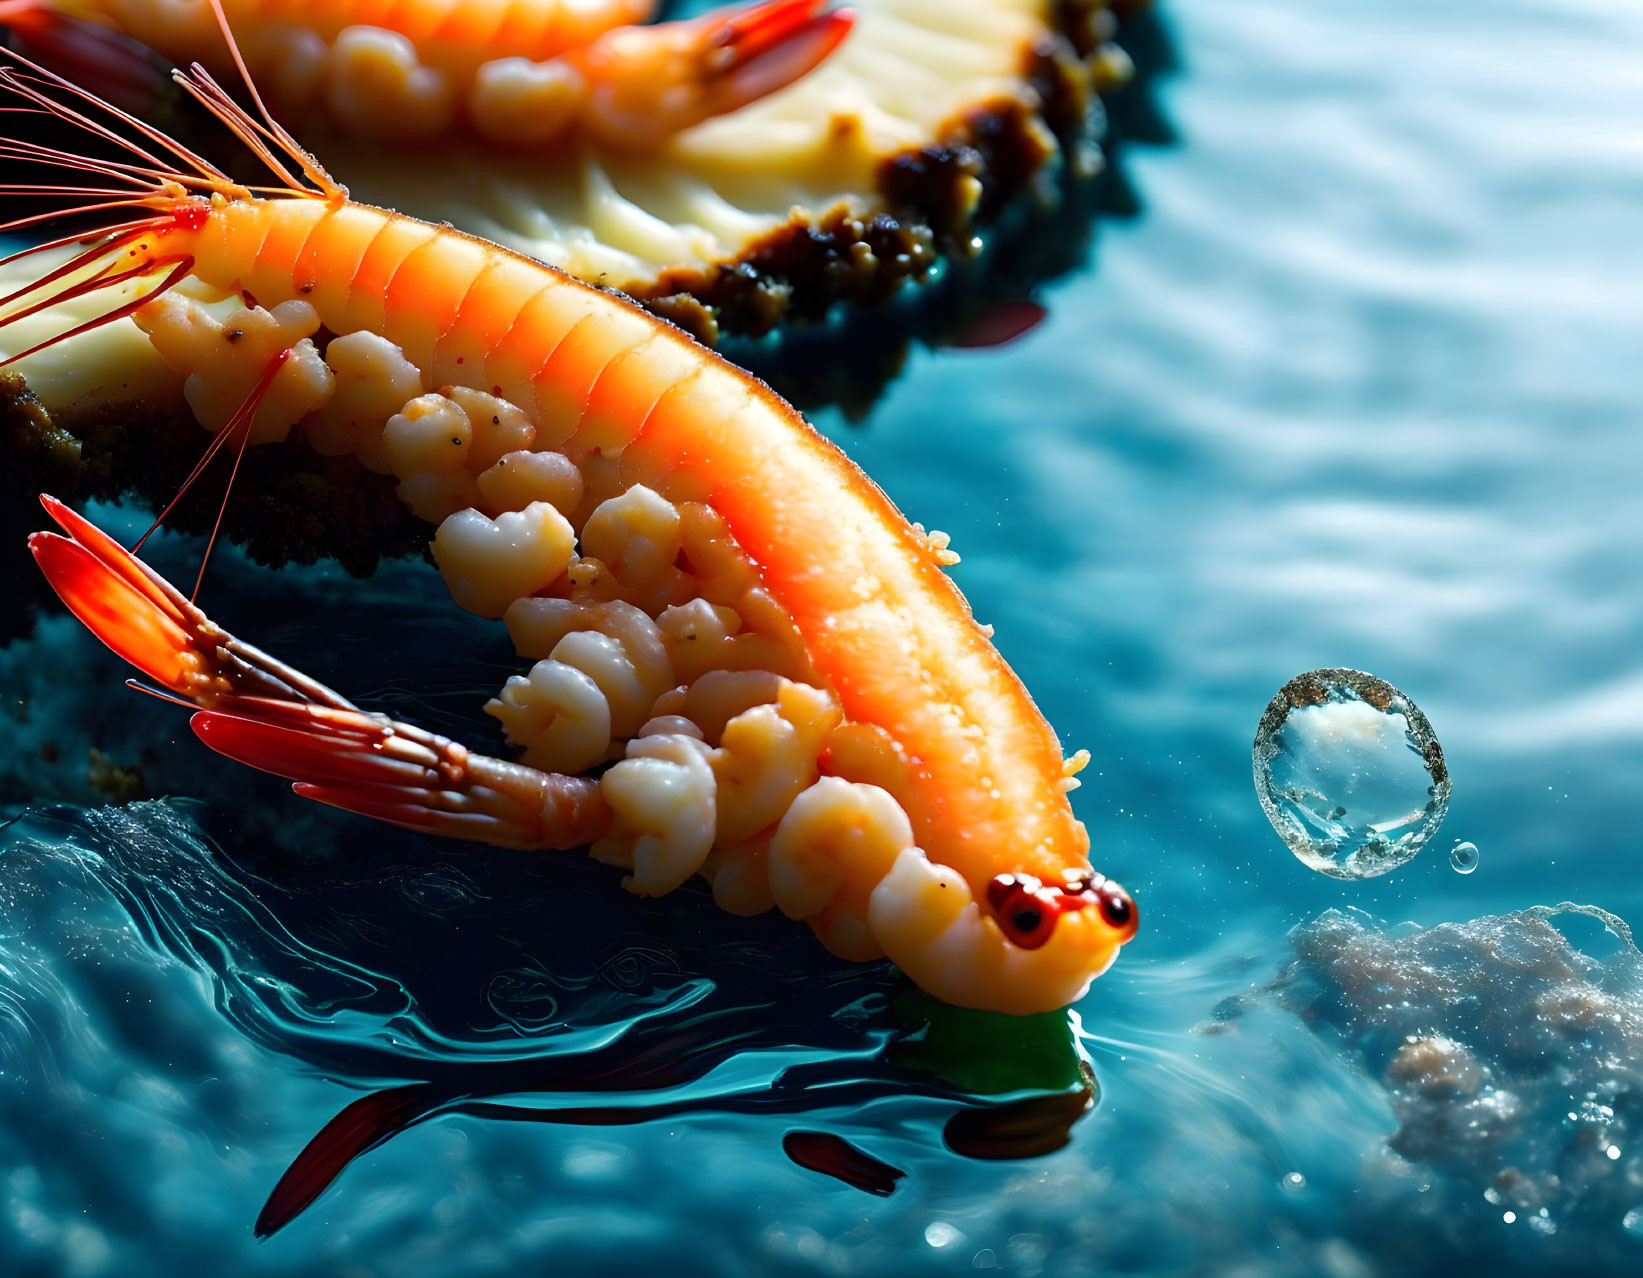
(936, 198)
(290, 505)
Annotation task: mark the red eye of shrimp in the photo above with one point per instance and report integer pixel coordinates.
(1116, 905)
(1117, 908)
(1025, 910)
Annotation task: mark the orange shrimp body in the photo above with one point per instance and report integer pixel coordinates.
(793, 698)
(520, 73)
(457, 33)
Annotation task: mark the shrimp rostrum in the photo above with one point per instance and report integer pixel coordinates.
(516, 73)
(742, 662)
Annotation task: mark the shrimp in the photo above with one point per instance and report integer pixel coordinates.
(518, 73)
(744, 663)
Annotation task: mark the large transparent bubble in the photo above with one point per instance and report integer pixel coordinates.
(1349, 773)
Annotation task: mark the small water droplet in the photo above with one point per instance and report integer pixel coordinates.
(1632, 1222)
(1293, 1183)
(1464, 857)
(1349, 773)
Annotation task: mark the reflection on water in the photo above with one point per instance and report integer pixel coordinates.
(673, 1055)
(481, 981)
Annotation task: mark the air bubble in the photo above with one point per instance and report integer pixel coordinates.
(1349, 773)
(1464, 857)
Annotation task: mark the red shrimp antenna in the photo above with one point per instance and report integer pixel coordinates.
(265, 137)
(157, 172)
(153, 182)
(157, 183)
(151, 172)
(238, 430)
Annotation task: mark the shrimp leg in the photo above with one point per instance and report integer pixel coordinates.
(260, 711)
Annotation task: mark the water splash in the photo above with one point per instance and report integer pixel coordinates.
(1513, 1061)
(1349, 773)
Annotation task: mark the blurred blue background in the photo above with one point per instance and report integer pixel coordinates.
(1357, 388)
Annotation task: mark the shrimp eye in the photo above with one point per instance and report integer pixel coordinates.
(1022, 915)
(1117, 907)
(1027, 920)
(1028, 925)
(1009, 887)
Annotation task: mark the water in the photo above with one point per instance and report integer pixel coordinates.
(1356, 389)
(1350, 773)
(1463, 857)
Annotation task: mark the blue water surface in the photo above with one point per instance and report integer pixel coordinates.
(1358, 387)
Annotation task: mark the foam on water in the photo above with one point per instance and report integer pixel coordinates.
(1513, 1061)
